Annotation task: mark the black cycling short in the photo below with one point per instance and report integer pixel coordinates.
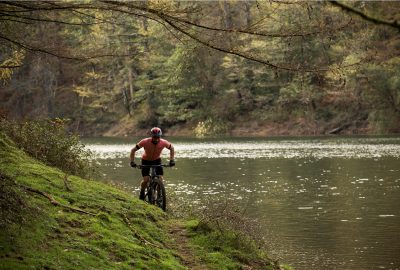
(146, 171)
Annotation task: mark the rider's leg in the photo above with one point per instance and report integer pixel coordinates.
(160, 172)
(146, 178)
(143, 186)
(162, 181)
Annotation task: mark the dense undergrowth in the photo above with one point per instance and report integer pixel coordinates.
(48, 223)
(48, 141)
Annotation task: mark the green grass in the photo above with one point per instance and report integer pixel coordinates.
(118, 231)
(225, 250)
(122, 233)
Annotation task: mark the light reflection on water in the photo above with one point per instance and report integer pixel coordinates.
(259, 149)
(313, 148)
(323, 203)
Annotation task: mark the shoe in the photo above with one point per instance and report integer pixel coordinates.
(141, 196)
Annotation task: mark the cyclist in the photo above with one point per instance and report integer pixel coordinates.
(153, 147)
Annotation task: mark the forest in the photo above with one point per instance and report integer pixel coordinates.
(203, 68)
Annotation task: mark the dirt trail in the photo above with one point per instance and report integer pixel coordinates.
(180, 244)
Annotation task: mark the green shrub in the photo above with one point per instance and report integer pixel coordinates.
(48, 141)
(226, 239)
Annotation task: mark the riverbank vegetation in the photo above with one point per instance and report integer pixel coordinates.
(47, 141)
(204, 68)
(49, 223)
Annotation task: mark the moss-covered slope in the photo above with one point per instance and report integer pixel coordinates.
(49, 221)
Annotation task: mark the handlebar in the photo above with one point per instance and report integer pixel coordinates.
(139, 166)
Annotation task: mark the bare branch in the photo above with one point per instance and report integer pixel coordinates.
(241, 31)
(265, 62)
(7, 67)
(78, 58)
(394, 24)
(37, 6)
(41, 20)
(55, 202)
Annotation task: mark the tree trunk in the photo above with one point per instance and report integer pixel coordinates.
(226, 9)
(130, 81)
(80, 114)
(247, 7)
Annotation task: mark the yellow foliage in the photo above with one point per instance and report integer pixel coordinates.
(161, 5)
(14, 60)
(83, 91)
(93, 75)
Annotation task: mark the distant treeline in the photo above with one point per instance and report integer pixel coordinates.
(213, 66)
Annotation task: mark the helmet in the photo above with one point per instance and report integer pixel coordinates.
(155, 132)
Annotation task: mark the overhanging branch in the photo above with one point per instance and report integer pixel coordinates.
(238, 31)
(394, 24)
(78, 58)
(7, 67)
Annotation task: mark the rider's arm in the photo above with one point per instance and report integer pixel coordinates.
(171, 152)
(133, 151)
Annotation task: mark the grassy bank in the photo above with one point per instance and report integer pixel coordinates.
(50, 221)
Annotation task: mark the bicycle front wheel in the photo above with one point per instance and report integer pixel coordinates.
(160, 196)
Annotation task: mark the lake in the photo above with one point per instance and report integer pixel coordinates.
(322, 202)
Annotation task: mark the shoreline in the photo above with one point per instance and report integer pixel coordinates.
(251, 129)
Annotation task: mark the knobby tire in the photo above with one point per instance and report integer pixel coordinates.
(156, 194)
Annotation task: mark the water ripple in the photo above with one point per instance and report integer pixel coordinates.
(265, 149)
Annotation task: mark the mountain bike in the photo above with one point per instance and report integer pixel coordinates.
(155, 190)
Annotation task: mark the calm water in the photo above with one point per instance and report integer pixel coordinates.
(324, 203)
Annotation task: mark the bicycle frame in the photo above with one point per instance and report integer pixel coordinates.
(155, 190)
